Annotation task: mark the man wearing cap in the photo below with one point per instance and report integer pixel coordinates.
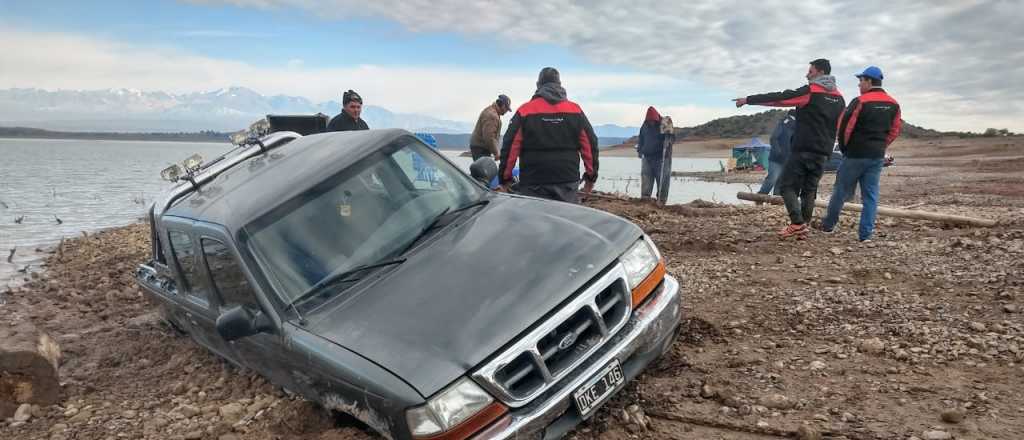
(869, 125)
(484, 140)
(818, 107)
(549, 136)
(348, 119)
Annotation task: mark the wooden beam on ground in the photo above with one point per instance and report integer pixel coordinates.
(28, 368)
(882, 210)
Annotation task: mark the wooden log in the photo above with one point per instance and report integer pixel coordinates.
(882, 210)
(28, 368)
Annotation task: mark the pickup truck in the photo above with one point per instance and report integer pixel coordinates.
(366, 272)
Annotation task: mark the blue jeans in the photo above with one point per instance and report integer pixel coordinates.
(867, 172)
(774, 171)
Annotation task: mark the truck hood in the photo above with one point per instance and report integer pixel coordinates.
(474, 287)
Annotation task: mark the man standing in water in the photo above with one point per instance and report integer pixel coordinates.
(818, 106)
(550, 136)
(348, 119)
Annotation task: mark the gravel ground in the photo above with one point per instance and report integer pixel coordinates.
(916, 334)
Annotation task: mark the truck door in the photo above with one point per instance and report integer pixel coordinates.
(196, 310)
(263, 352)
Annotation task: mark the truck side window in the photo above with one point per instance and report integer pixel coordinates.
(227, 277)
(185, 254)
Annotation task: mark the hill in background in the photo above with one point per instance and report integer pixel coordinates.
(761, 125)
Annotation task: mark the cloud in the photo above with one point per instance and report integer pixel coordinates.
(67, 61)
(954, 65)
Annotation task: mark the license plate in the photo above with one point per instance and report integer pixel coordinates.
(599, 388)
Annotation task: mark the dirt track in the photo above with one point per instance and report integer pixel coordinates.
(850, 340)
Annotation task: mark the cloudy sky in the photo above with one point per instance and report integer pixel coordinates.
(954, 65)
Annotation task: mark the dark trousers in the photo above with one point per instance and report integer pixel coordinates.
(650, 175)
(563, 192)
(799, 185)
(478, 152)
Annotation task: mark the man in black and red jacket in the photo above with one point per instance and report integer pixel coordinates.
(549, 136)
(818, 106)
(870, 124)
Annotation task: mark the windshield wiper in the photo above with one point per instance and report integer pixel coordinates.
(343, 276)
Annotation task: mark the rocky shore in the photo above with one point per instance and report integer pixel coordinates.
(918, 334)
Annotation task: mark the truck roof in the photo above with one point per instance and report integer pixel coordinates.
(257, 185)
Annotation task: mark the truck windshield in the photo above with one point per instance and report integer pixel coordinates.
(366, 213)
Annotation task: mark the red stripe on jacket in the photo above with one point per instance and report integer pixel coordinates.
(587, 154)
(513, 154)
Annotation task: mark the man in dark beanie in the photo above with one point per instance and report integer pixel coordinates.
(348, 119)
(549, 136)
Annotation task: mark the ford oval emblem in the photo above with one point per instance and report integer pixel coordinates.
(567, 341)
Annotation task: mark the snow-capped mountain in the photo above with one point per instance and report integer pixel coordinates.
(221, 110)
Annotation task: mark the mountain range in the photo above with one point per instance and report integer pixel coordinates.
(229, 109)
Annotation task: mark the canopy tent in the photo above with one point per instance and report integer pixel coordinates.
(751, 154)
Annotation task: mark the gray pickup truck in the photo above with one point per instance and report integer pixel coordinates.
(366, 272)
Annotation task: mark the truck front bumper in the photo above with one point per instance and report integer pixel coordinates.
(648, 334)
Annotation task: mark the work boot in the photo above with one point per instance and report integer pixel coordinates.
(793, 230)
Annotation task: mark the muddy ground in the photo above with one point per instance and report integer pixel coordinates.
(919, 333)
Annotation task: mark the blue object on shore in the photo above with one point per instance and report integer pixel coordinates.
(515, 176)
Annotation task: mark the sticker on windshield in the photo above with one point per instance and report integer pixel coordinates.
(345, 210)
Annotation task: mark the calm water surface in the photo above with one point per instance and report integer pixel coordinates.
(91, 185)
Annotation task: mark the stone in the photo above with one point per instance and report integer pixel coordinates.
(23, 413)
(817, 365)
(762, 424)
(806, 432)
(936, 435)
(59, 427)
(188, 411)
(978, 327)
(776, 401)
(194, 435)
(634, 416)
(836, 251)
(707, 392)
(231, 412)
(1010, 308)
(81, 416)
(871, 346)
(952, 416)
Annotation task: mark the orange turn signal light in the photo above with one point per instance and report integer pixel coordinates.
(644, 289)
(472, 425)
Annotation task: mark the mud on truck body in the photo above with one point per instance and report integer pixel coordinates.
(366, 272)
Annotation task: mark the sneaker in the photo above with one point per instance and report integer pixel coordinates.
(793, 230)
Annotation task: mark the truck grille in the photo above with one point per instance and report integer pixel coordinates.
(560, 343)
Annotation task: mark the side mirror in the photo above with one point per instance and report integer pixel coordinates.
(240, 321)
(483, 170)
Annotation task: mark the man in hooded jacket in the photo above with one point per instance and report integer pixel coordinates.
(549, 136)
(818, 107)
(650, 146)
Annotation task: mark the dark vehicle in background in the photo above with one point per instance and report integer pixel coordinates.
(366, 272)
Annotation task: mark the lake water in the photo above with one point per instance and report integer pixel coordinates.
(91, 185)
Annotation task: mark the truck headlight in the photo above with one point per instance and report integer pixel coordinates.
(458, 411)
(644, 269)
